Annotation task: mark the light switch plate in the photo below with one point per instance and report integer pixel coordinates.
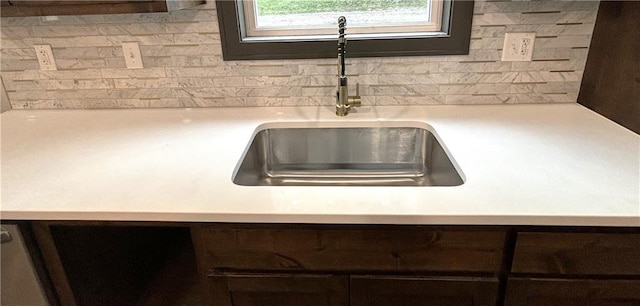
(132, 56)
(518, 47)
(45, 57)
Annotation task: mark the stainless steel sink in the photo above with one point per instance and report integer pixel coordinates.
(346, 156)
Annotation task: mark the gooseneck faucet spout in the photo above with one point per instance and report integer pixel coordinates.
(342, 42)
(344, 102)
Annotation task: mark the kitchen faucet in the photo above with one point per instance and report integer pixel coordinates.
(344, 102)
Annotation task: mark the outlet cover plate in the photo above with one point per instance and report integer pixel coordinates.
(518, 47)
(132, 56)
(45, 57)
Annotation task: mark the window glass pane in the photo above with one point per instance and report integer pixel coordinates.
(320, 13)
(362, 15)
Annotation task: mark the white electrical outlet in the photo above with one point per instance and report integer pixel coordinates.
(518, 47)
(45, 57)
(132, 56)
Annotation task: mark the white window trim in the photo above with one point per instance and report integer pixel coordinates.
(251, 32)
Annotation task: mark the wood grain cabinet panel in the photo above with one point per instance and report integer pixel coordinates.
(427, 291)
(578, 253)
(351, 249)
(237, 289)
(572, 292)
(24, 8)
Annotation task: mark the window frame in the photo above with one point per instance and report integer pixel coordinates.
(455, 40)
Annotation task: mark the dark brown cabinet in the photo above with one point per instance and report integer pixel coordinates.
(150, 263)
(577, 253)
(349, 265)
(349, 248)
(271, 289)
(428, 291)
(572, 292)
(611, 82)
(24, 8)
(579, 269)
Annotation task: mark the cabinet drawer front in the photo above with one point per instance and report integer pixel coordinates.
(237, 289)
(352, 249)
(416, 291)
(577, 253)
(568, 292)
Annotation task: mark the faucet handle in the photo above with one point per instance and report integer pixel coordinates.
(355, 101)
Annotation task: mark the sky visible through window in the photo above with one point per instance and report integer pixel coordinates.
(298, 14)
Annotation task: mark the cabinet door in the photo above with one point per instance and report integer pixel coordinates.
(349, 248)
(577, 254)
(238, 289)
(416, 291)
(24, 8)
(569, 292)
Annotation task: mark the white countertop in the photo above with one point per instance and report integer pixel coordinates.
(522, 165)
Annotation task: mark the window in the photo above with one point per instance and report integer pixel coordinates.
(285, 29)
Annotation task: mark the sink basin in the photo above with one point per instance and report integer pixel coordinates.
(301, 155)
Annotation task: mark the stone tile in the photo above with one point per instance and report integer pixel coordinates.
(79, 94)
(410, 100)
(549, 65)
(457, 89)
(210, 82)
(217, 92)
(140, 93)
(480, 99)
(286, 80)
(26, 53)
(192, 27)
(19, 65)
(271, 91)
(83, 41)
(65, 63)
(480, 77)
(143, 40)
(65, 30)
(401, 68)
(71, 74)
(572, 41)
(110, 73)
(196, 38)
(131, 29)
(404, 90)
(544, 98)
(496, 66)
(185, 72)
(28, 95)
(146, 83)
(181, 50)
(400, 79)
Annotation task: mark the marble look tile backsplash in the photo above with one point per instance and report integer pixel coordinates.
(184, 67)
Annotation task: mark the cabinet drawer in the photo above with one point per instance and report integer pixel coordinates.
(349, 249)
(428, 291)
(577, 253)
(569, 292)
(236, 289)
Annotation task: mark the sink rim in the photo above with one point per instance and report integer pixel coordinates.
(345, 124)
